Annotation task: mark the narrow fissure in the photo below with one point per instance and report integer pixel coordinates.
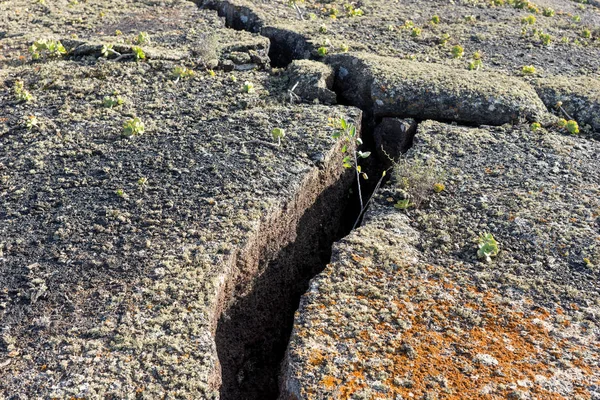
(252, 334)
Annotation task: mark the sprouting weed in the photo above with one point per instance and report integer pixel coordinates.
(49, 48)
(142, 38)
(133, 127)
(572, 127)
(248, 87)
(528, 69)
(138, 53)
(181, 72)
(322, 51)
(278, 134)
(112, 101)
(21, 94)
(535, 126)
(488, 246)
(458, 51)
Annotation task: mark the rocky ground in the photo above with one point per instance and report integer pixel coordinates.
(169, 184)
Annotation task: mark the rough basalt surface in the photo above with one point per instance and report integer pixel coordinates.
(407, 310)
(168, 263)
(402, 88)
(579, 97)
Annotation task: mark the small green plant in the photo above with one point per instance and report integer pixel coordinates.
(470, 18)
(535, 126)
(576, 18)
(138, 53)
(31, 122)
(211, 73)
(546, 38)
(142, 38)
(586, 33)
(572, 127)
(418, 179)
(118, 32)
(181, 72)
(457, 51)
(351, 11)
(21, 94)
(112, 101)
(475, 65)
(48, 48)
(278, 134)
(548, 12)
(107, 50)
(323, 29)
(248, 87)
(344, 48)
(488, 247)
(322, 51)
(133, 127)
(415, 32)
(528, 20)
(403, 204)
(435, 20)
(444, 39)
(347, 133)
(142, 182)
(120, 193)
(528, 69)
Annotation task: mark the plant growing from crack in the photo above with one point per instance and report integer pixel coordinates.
(48, 48)
(107, 50)
(488, 246)
(138, 53)
(347, 133)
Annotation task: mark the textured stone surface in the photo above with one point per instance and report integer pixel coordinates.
(407, 310)
(580, 98)
(311, 80)
(401, 88)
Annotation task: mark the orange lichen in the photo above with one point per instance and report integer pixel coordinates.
(514, 345)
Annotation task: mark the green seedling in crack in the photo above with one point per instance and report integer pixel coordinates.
(48, 48)
(107, 50)
(138, 53)
(488, 247)
(458, 51)
(347, 133)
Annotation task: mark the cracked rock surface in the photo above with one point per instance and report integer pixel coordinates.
(406, 309)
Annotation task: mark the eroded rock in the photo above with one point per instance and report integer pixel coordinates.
(310, 81)
(393, 136)
(407, 309)
(580, 98)
(394, 87)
